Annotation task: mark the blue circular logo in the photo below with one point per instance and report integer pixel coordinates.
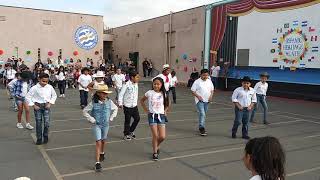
(86, 37)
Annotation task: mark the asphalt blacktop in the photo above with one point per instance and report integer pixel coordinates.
(185, 155)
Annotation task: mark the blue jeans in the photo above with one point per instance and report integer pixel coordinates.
(83, 98)
(202, 110)
(42, 115)
(214, 82)
(262, 100)
(244, 117)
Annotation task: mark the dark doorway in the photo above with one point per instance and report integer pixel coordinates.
(134, 57)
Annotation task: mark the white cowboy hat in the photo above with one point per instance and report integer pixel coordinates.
(166, 66)
(99, 74)
(103, 88)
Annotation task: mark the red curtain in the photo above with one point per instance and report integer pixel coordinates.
(219, 16)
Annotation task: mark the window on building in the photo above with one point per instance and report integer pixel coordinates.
(47, 22)
(39, 54)
(194, 21)
(2, 18)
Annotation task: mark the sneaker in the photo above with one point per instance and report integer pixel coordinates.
(246, 137)
(234, 136)
(98, 167)
(133, 136)
(39, 142)
(155, 157)
(61, 96)
(127, 138)
(203, 132)
(16, 109)
(28, 126)
(101, 158)
(266, 123)
(45, 141)
(19, 126)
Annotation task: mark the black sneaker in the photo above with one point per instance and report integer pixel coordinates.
(155, 157)
(133, 136)
(39, 142)
(98, 167)
(127, 138)
(203, 132)
(45, 141)
(101, 158)
(246, 137)
(234, 136)
(266, 123)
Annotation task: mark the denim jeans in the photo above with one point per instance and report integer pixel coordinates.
(62, 86)
(83, 98)
(244, 117)
(214, 82)
(42, 115)
(202, 110)
(262, 100)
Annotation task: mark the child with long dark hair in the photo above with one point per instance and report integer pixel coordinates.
(158, 103)
(265, 158)
(61, 77)
(100, 112)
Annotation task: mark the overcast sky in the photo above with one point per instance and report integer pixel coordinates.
(115, 12)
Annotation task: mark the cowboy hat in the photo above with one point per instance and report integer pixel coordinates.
(264, 74)
(166, 66)
(246, 79)
(103, 88)
(99, 74)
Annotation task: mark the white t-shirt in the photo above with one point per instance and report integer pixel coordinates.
(155, 102)
(166, 84)
(174, 81)
(24, 89)
(203, 89)
(10, 73)
(119, 79)
(61, 76)
(85, 80)
(215, 71)
(256, 177)
(261, 88)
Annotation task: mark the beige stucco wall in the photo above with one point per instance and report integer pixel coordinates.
(187, 37)
(24, 29)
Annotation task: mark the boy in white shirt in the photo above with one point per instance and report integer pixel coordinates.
(166, 76)
(118, 80)
(128, 100)
(84, 80)
(244, 99)
(41, 97)
(202, 89)
(173, 84)
(261, 89)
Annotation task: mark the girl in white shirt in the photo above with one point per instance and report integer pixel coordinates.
(173, 84)
(61, 77)
(158, 103)
(261, 89)
(265, 158)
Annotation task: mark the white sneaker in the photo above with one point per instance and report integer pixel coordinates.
(61, 95)
(19, 126)
(28, 126)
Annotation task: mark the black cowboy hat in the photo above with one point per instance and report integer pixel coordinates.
(264, 74)
(246, 79)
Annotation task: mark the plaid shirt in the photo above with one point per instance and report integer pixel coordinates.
(16, 88)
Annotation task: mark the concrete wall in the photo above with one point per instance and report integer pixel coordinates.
(24, 28)
(149, 39)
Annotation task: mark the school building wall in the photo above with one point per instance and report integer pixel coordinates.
(28, 29)
(149, 38)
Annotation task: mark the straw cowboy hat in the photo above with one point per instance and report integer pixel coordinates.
(166, 66)
(264, 74)
(103, 88)
(99, 74)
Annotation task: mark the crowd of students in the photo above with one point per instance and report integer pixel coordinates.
(26, 91)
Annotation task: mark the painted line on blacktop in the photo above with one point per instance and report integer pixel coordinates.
(303, 171)
(150, 161)
(109, 142)
(83, 145)
(48, 160)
